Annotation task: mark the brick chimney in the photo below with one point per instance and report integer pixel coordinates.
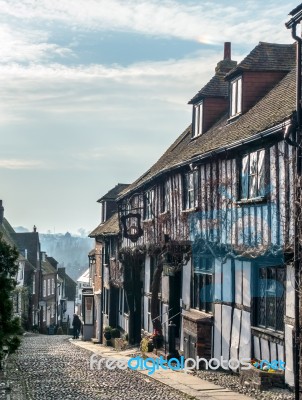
(227, 51)
(225, 66)
(1, 212)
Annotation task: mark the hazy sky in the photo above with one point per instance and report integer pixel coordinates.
(93, 91)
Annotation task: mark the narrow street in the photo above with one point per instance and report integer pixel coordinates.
(51, 368)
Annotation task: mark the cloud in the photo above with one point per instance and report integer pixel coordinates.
(19, 164)
(206, 22)
(28, 45)
(109, 90)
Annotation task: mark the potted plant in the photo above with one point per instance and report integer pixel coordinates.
(157, 339)
(108, 335)
(115, 333)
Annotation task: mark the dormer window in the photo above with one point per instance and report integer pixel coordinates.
(197, 119)
(236, 97)
(103, 211)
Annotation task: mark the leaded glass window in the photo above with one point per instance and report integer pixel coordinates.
(190, 190)
(270, 300)
(202, 285)
(253, 175)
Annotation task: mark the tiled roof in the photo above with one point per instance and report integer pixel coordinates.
(114, 192)
(267, 57)
(274, 108)
(110, 227)
(8, 233)
(217, 86)
(70, 284)
(30, 242)
(8, 236)
(84, 277)
(47, 268)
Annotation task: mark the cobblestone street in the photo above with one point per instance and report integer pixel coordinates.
(51, 368)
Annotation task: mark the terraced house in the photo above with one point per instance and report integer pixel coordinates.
(207, 233)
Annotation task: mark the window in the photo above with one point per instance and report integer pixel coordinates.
(190, 190)
(269, 310)
(103, 211)
(20, 272)
(202, 285)
(165, 196)
(236, 97)
(48, 287)
(88, 310)
(44, 288)
(253, 175)
(149, 203)
(197, 119)
(34, 285)
(52, 286)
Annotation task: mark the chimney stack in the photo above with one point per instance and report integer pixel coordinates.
(35, 228)
(1, 212)
(227, 51)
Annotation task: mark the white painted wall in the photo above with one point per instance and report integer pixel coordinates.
(289, 368)
(186, 286)
(246, 283)
(245, 335)
(290, 292)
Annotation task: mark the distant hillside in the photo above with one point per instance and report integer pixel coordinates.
(70, 251)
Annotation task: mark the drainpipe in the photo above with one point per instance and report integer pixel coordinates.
(293, 25)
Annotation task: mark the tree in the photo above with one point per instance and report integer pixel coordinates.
(9, 326)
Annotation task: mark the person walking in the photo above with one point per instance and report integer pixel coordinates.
(76, 323)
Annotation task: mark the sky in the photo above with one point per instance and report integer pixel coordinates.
(93, 91)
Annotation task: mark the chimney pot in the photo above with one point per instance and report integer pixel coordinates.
(227, 51)
(35, 228)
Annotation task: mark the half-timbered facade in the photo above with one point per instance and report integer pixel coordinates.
(208, 231)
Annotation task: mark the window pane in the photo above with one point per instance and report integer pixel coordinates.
(270, 300)
(239, 95)
(261, 188)
(253, 175)
(233, 97)
(200, 119)
(196, 127)
(244, 177)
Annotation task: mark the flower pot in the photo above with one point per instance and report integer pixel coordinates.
(158, 341)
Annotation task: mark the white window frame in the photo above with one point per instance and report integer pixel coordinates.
(236, 97)
(44, 288)
(34, 285)
(149, 204)
(52, 286)
(48, 286)
(190, 190)
(197, 119)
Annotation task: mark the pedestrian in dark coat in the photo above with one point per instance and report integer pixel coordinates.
(76, 323)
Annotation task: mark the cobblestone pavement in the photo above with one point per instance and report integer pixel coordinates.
(51, 368)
